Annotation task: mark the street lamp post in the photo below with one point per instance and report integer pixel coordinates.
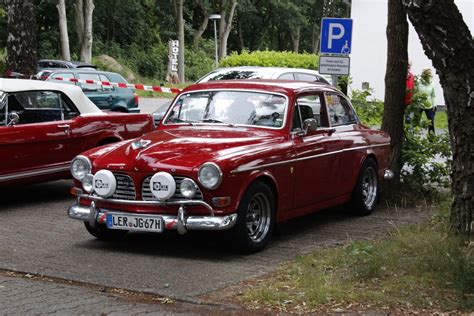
(215, 17)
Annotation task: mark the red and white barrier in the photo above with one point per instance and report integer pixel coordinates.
(119, 85)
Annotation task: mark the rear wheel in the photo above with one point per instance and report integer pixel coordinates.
(101, 232)
(366, 192)
(255, 219)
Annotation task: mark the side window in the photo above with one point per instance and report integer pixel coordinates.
(104, 78)
(66, 76)
(306, 77)
(87, 86)
(287, 76)
(40, 106)
(310, 107)
(339, 110)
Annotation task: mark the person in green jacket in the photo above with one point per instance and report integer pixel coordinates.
(425, 87)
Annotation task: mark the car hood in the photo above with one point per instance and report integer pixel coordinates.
(186, 148)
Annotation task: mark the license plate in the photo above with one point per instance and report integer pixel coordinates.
(135, 222)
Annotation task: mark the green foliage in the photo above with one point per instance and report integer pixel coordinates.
(370, 111)
(427, 159)
(197, 63)
(271, 59)
(417, 267)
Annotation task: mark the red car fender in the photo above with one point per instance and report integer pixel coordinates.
(252, 177)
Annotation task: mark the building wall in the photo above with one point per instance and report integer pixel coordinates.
(369, 45)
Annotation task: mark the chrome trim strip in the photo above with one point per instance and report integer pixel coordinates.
(33, 173)
(84, 213)
(147, 203)
(238, 170)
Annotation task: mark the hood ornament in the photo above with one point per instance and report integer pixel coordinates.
(141, 143)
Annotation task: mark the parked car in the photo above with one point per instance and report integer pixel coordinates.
(44, 125)
(105, 97)
(62, 64)
(238, 156)
(255, 72)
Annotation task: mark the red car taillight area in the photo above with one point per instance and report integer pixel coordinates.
(135, 99)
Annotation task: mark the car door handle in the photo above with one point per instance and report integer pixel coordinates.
(65, 126)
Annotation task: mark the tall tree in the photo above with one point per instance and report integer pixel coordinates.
(226, 10)
(21, 40)
(64, 37)
(395, 81)
(83, 17)
(204, 6)
(449, 44)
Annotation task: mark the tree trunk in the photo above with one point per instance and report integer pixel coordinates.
(21, 41)
(64, 37)
(315, 40)
(395, 82)
(448, 43)
(225, 26)
(79, 19)
(86, 47)
(295, 39)
(203, 26)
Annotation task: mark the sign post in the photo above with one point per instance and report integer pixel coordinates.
(336, 44)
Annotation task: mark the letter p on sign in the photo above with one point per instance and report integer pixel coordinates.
(336, 32)
(336, 36)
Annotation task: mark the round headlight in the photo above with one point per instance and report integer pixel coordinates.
(187, 188)
(87, 183)
(80, 166)
(210, 175)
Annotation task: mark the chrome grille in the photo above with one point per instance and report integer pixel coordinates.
(148, 196)
(125, 188)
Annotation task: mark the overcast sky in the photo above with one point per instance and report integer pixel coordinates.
(369, 45)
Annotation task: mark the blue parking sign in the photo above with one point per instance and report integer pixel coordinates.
(336, 36)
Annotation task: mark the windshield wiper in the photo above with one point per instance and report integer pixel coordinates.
(216, 121)
(178, 120)
(210, 121)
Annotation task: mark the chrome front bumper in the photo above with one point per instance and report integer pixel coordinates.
(181, 222)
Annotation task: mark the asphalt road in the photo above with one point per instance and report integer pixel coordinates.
(38, 238)
(150, 105)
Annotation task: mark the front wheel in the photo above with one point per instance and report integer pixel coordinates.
(366, 192)
(255, 219)
(101, 232)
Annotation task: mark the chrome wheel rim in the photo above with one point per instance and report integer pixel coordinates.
(258, 217)
(369, 187)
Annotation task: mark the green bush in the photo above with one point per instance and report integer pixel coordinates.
(271, 59)
(370, 111)
(197, 64)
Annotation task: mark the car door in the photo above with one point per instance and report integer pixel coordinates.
(38, 144)
(316, 160)
(101, 97)
(343, 119)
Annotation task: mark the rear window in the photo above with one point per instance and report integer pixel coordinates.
(231, 75)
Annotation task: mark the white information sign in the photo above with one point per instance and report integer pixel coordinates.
(334, 65)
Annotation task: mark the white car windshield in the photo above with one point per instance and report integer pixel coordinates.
(229, 107)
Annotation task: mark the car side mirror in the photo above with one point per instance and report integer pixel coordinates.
(13, 119)
(310, 125)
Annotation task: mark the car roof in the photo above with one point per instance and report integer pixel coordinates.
(265, 72)
(268, 85)
(76, 64)
(81, 101)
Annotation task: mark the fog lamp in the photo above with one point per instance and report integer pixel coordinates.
(188, 188)
(87, 183)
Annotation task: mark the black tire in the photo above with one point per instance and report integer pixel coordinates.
(366, 192)
(101, 232)
(255, 219)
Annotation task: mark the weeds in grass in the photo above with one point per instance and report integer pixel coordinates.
(417, 267)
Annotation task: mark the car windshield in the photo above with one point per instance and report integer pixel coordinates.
(229, 107)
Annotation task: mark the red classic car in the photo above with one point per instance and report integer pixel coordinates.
(44, 125)
(237, 156)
